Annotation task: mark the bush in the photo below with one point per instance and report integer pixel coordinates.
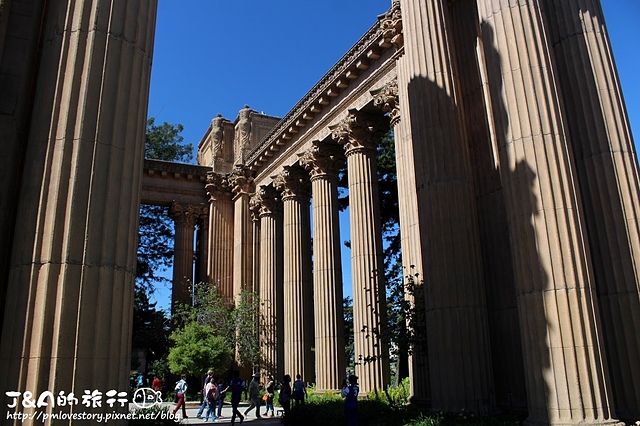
(388, 408)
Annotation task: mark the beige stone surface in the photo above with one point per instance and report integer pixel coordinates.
(293, 183)
(323, 161)
(73, 256)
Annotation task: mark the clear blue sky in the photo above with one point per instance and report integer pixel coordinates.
(213, 57)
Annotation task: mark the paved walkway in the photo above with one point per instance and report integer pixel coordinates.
(192, 410)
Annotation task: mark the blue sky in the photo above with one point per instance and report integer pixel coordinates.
(213, 57)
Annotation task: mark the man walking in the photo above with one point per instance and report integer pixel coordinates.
(254, 395)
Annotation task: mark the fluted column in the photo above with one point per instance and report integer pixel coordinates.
(220, 265)
(202, 245)
(254, 209)
(271, 290)
(241, 183)
(70, 288)
(293, 183)
(565, 367)
(184, 217)
(607, 167)
(323, 161)
(387, 99)
(359, 134)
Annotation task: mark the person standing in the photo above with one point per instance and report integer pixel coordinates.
(221, 392)
(254, 395)
(211, 396)
(207, 379)
(285, 397)
(350, 395)
(181, 395)
(269, 388)
(299, 390)
(236, 386)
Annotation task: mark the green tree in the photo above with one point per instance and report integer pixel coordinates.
(197, 348)
(164, 142)
(236, 321)
(246, 319)
(151, 327)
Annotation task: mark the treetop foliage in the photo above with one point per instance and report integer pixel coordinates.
(164, 142)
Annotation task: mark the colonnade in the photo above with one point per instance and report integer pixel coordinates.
(300, 281)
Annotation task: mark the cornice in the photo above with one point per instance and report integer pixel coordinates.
(168, 169)
(370, 47)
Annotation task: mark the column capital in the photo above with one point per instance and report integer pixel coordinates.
(322, 159)
(268, 200)
(240, 180)
(292, 182)
(217, 186)
(202, 216)
(254, 207)
(391, 26)
(184, 214)
(386, 98)
(359, 131)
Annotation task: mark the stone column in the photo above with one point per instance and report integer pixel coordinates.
(71, 279)
(460, 370)
(202, 245)
(220, 265)
(241, 183)
(359, 134)
(184, 216)
(293, 183)
(323, 161)
(271, 290)
(387, 99)
(565, 367)
(607, 168)
(254, 209)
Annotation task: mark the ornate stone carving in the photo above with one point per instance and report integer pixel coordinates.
(243, 135)
(217, 141)
(240, 180)
(217, 186)
(268, 200)
(359, 131)
(386, 98)
(323, 158)
(184, 214)
(293, 181)
(391, 26)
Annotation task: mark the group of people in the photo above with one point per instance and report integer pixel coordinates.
(213, 393)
